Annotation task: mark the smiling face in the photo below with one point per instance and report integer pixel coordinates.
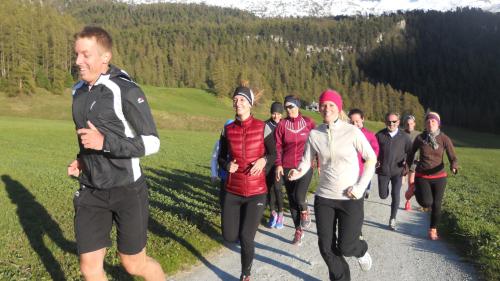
(276, 116)
(91, 58)
(329, 111)
(357, 120)
(392, 122)
(242, 107)
(292, 110)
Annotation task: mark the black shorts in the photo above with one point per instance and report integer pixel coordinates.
(96, 210)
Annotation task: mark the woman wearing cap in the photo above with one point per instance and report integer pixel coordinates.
(409, 128)
(338, 203)
(276, 218)
(250, 148)
(291, 135)
(430, 174)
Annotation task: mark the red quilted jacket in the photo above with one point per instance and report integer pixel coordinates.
(246, 145)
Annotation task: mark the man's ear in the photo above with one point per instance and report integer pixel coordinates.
(107, 57)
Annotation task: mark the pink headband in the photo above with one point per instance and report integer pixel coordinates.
(333, 96)
(433, 116)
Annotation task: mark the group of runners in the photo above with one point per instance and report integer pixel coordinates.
(114, 127)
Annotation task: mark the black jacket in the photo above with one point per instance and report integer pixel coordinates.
(118, 109)
(393, 152)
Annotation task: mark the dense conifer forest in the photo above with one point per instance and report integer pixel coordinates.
(406, 62)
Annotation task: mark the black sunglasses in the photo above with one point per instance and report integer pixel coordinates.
(391, 121)
(289, 106)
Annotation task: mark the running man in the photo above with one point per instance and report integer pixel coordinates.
(115, 128)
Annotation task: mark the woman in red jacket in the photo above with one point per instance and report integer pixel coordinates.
(251, 150)
(291, 136)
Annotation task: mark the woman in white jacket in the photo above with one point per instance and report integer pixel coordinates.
(338, 203)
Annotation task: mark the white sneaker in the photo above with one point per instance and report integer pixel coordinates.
(392, 224)
(365, 262)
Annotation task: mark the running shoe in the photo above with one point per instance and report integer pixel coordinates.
(280, 221)
(392, 224)
(433, 234)
(244, 277)
(305, 219)
(365, 262)
(272, 219)
(297, 238)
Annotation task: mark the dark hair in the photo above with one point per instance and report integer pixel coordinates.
(356, 111)
(101, 36)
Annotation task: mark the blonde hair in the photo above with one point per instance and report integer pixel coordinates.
(343, 116)
(257, 93)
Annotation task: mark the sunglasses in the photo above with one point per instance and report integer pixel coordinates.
(391, 121)
(289, 106)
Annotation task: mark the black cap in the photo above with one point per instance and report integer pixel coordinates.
(276, 107)
(246, 92)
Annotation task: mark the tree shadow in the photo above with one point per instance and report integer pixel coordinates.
(292, 270)
(194, 200)
(160, 230)
(37, 222)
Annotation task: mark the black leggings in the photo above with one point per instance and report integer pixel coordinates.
(275, 195)
(383, 191)
(430, 193)
(240, 220)
(346, 216)
(297, 191)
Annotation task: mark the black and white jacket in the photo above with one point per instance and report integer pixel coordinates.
(119, 110)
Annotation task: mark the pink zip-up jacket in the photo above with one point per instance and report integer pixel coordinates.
(370, 136)
(291, 136)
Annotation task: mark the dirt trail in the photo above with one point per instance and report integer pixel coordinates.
(405, 254)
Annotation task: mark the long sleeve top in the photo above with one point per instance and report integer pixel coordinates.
(431, 162)
(337, 146)
(214, 159)
(370, 136)
(291, 135)
(393, 152)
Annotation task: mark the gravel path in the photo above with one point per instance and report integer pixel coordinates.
(405, 254)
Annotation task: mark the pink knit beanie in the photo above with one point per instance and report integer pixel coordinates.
(333, 96)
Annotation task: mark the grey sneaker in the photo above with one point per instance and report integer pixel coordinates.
(365, 262)
(392, 224)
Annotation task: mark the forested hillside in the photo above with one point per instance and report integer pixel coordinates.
(377, 63)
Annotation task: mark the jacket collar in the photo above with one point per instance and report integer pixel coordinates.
(245, 123)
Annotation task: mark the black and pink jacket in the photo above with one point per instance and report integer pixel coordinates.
(291, 136)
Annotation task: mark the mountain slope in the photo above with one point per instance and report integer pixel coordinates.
(323, 8)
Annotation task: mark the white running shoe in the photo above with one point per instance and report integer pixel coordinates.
(392, 224)
(365, 262)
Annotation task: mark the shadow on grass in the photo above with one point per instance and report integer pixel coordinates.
(160, 230)
(37, 222)
(194, 200)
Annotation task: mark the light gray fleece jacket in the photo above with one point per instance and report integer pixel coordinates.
(337, 146)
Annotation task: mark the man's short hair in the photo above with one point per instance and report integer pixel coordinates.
(356, 111)
(392, 113)
(101, 36)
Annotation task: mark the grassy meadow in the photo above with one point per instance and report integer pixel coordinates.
(36, 211)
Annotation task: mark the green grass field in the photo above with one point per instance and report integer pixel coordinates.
(36, 212)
